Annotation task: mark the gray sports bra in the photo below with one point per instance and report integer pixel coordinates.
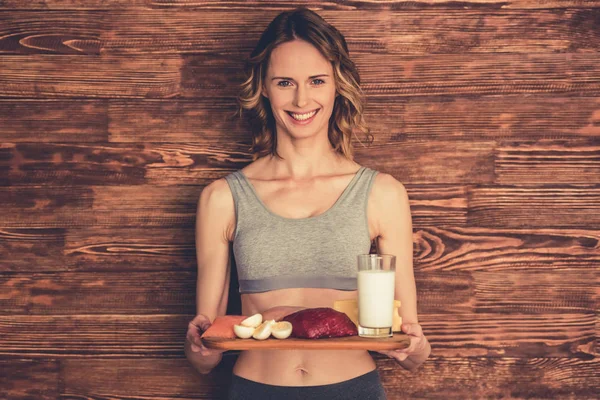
(275, 252)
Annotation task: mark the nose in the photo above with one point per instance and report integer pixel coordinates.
(301, 98)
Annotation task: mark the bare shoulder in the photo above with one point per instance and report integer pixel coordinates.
(216, 209)
(217, 195)
(388, 191)
(390, 208)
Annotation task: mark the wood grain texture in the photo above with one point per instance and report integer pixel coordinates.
(218, 75)
(519, 116)
(94, 336)
(125, 206)
(75, 164)
(436, 289)
(160, 335)
(147, 377)
(48, 76)
(77, 121)
(502, 30)
(24, 378)
(110, 287)
(73, 4)
(447, 377)
(176, 121)
(566, 161)
(45, 207)
(209, 5)
(456, 162)
(115, 249)
(434, 74)
(31, 249)
(104, 289)
(573, 206)
(506, 250)
(172, 206)
(390, 119)
(437, 205)
(477, 377)
(121, 292)
(195, 31)
(436, 250)
(460, 74)
(422, 31)
(109, 164)
(511, 335)
(51, 32)
(114, 115)
(537, 292)
(427, 162)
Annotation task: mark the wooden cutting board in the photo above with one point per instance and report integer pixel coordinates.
(398, 341)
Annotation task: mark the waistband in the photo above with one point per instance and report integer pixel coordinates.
(363, 387)
(371, 375)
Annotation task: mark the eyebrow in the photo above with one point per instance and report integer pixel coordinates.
(291, 79)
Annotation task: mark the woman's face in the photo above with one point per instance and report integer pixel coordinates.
(301, 89)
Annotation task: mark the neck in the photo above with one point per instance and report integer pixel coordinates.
(306, 158)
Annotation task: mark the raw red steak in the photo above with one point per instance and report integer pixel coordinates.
(314, 323)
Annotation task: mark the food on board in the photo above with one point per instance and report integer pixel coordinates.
(264, 330)
(309, 323)
(222, 326)
(350, 308)
(243, 332)
(253, 321)
(281, 329)
(322, 322)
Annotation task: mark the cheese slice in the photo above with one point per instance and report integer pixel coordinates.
(350, 308)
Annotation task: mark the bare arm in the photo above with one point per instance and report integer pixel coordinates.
(215, 220)
(394, 228)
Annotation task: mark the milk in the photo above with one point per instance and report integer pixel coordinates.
(376, 298)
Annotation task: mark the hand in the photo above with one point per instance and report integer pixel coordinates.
(196, 328)
(418, 343)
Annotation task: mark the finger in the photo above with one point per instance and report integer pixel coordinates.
(395, 354)
(194, 342)
(193, 335)
(412, 329)
(199, 329)
(410, 349)
(200, 324)
(205, 351)
(194, 345)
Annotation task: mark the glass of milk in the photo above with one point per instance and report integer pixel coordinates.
(376, 284)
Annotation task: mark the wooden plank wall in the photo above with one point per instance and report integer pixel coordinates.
(115, 114)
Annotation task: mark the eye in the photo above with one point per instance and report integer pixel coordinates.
(319, 80)
(280, 83)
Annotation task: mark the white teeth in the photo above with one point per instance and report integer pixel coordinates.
(302, 117)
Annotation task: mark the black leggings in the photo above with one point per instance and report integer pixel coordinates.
(363, 387)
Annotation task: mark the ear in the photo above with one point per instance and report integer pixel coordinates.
(264, 92)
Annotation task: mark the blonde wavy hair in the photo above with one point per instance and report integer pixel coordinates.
(347, 114)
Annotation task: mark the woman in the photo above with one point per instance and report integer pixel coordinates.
(298, 216)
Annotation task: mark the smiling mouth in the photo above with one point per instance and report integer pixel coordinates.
(304, 116)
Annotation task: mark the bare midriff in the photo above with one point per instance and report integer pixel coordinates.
(299, 367)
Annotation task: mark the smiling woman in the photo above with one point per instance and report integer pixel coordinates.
(298, 216)
(300, 104)
(317, 65)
